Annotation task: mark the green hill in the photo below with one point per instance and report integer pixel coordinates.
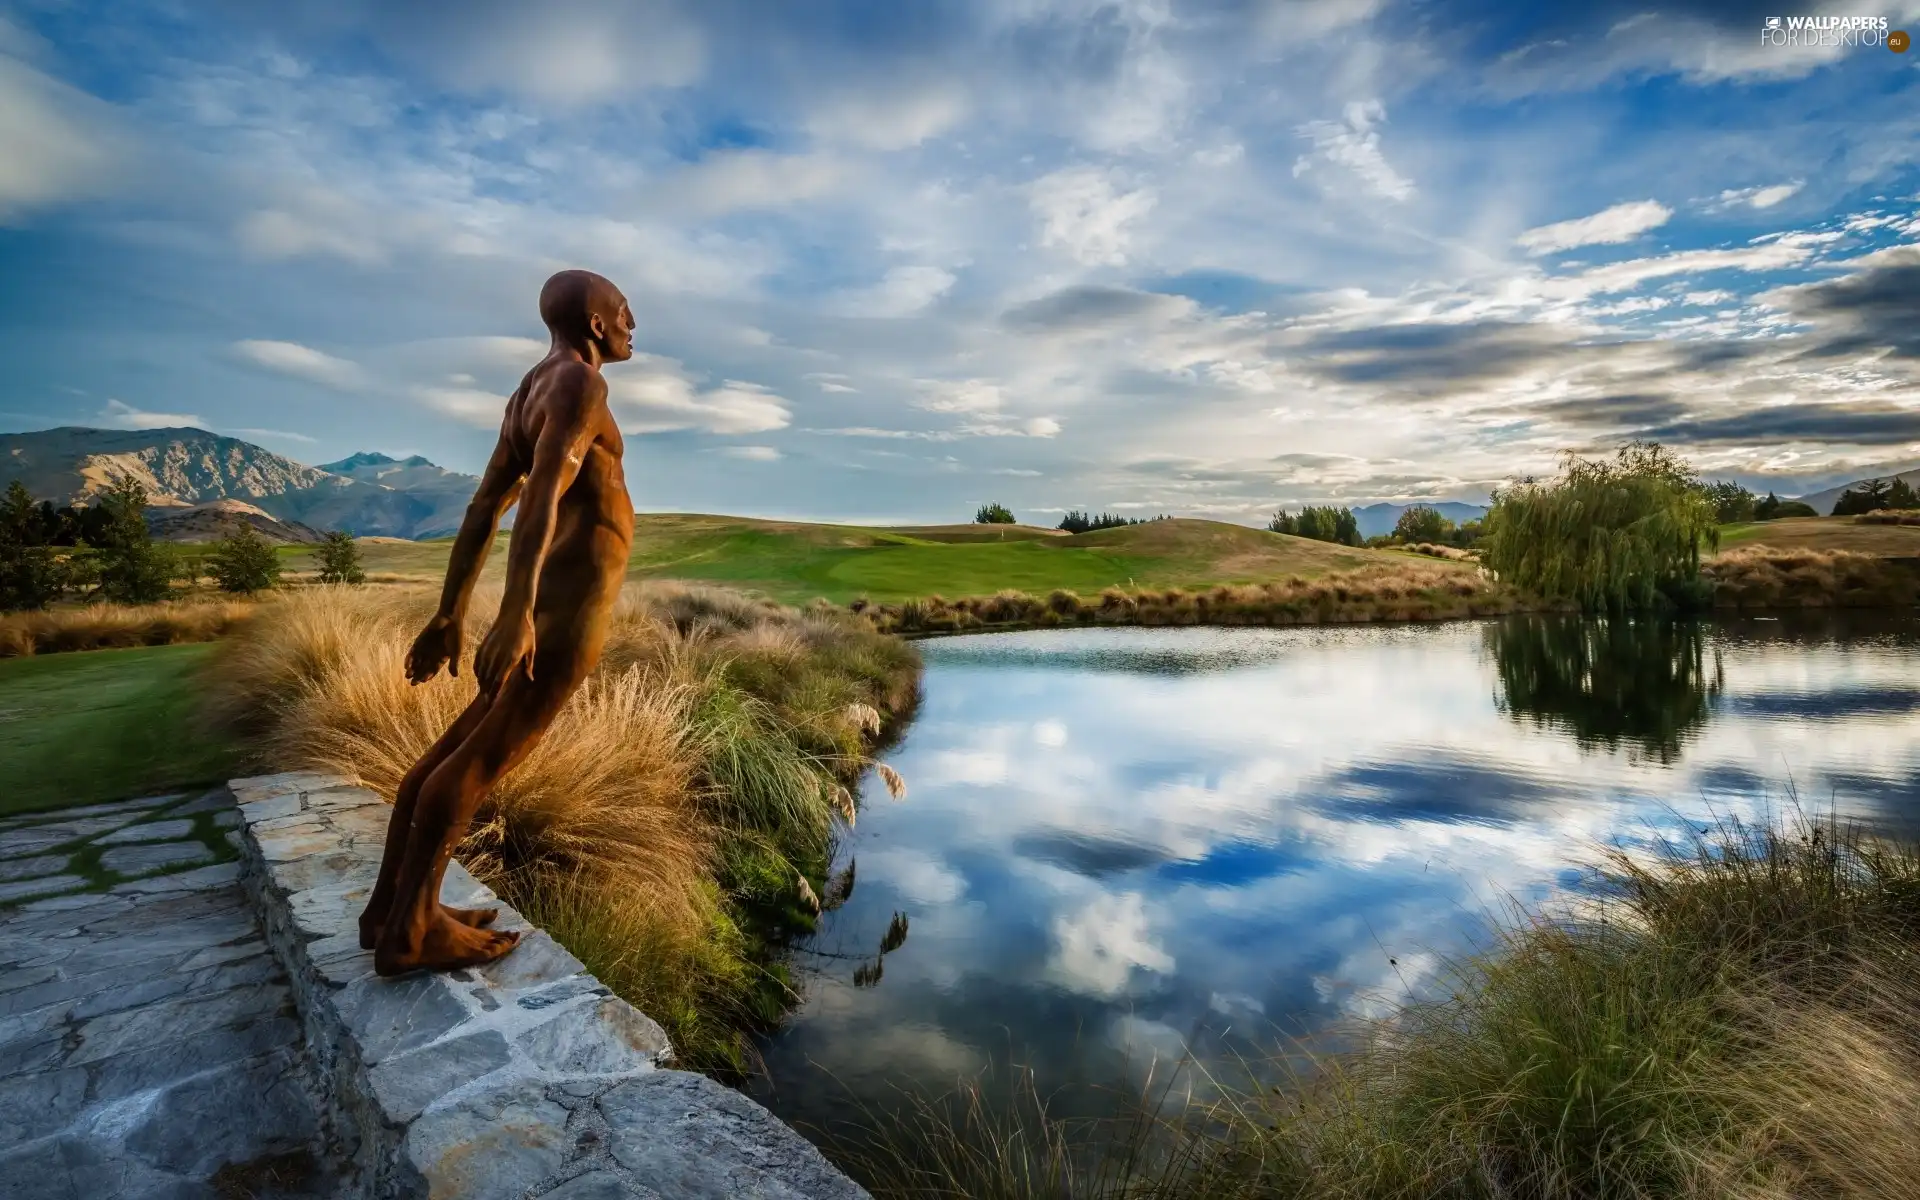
(1825, 533)
(794, 561)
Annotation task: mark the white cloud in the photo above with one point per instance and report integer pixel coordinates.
(1609, 227)
(300, 362)
(564, 52)
(1084, 212)
(469, 405)
(1758, 197)
(121, 415)
(1097, 948)
(277, 433)
(735, 180)
(55, 141)
(1353, 144)
(977, 397)
(752, 453)
(652, 394)
(902, 292)
(889, 119)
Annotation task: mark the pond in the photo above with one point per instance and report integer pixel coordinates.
(1122, 846)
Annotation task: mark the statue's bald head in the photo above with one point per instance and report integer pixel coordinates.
(581, 306)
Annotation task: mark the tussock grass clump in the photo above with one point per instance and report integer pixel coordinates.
(1889, 516)
(1739, 1018)
(1772, 577)
(117, 626)
(1411, 592)
(664, 826)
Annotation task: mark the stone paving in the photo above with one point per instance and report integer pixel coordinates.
(149, 1045)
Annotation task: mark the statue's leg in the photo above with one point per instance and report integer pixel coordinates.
(399, 825)
(419, 932)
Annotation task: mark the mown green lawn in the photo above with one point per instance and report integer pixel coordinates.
(795, 561)
(98, 725)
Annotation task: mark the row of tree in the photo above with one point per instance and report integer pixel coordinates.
(105, 551)
(1074, 522)
(1322, 524)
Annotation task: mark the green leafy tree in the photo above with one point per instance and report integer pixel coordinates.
(1616, 533)
(993, 514)
(1874, 495)
(1282, 522)
(1322, 524)
(31, 575)
(1731, 502)
(1645, 685)
(1422, 523)
(244, 560)
(133, 568)
(339, 559)
(1772, 508)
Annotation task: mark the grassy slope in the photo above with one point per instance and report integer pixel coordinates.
(1824, 533)
(103, 725)
(795, 562)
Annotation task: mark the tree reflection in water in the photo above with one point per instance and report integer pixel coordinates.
(1643, 683)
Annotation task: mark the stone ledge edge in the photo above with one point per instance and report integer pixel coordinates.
(523, 1079)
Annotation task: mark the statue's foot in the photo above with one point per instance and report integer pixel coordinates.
(477, 918)
(444, 944)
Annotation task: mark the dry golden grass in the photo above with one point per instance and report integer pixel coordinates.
(116, 626)
(1758, 576)
(619, 830)
(1890, 516)
(1408, 591)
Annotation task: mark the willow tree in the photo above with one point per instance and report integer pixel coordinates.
(1616, 533)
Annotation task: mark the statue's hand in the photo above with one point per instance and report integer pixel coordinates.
(437, 646)
(508, 648)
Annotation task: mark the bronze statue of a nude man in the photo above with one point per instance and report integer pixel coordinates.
(559, 457)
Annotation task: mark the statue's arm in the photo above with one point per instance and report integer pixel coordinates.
(500, 486)
(574, 407)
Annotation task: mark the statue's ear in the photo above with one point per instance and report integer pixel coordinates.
(597, 327)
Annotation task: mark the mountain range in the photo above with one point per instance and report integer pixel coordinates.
(1376, 519)
(1823, 502)
(197, 481)
(185, 468)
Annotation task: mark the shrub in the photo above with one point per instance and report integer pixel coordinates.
(993, 514)
(339, 559)
(244, 560)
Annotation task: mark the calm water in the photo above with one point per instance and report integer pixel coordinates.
(1120, 845)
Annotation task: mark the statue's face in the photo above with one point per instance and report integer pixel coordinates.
(613, 329)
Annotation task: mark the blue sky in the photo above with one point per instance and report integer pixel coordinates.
(894, 260)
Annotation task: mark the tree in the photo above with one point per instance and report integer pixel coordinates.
(1422, 523)
(993, 514)
(339, 559)
(1873, 495)
(133, 569)
(31, 576)
(1326, 524)
(1282, 522)
(1079, 522)
(244, 560)
(1731, 502)
(1612, 533)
